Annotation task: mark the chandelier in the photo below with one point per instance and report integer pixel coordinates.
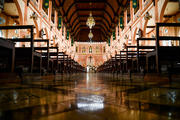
(90, 35)
(90, 21)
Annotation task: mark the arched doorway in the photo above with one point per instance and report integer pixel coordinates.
(12, 9)
(11, 15)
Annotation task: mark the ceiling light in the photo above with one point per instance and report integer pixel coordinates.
(90, 21)
(90, 35)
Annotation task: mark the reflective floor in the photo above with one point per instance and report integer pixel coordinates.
(91, 96)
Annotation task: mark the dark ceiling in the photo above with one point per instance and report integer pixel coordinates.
(105, 12)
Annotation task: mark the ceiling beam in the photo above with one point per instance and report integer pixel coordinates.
(57, 2)
(77, 10)
(88, 1)
(108, 20)
(111, 20)
(90, 10)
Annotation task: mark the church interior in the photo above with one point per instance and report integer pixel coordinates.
(89, 59)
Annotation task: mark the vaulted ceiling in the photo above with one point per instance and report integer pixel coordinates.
(105, 12)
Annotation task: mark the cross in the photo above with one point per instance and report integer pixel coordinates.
(90, 58)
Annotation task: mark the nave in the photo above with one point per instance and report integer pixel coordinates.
(89, 59)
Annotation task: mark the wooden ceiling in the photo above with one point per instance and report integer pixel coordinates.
(105, 12)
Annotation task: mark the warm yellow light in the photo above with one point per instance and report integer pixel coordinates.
(90, 35)
(90, 21)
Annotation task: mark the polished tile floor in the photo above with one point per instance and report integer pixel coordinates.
(89, 96)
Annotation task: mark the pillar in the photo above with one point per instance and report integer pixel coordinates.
(50, 11)
(131, 11)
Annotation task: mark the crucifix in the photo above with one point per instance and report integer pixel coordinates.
(90, 57)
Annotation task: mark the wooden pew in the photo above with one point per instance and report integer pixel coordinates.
(7, 53)
(63, 61)
(53, 63)
(53, 58)
(44, 58)
(147, 48)
(28, 53)
(161, 55)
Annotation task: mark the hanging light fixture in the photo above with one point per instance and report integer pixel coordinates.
(90, 35)
(90, 21)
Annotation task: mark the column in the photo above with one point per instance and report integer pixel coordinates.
(131, 11)
(50, 11)
(125, 18)
(56, 18)
(156, 11)
(25, 13)
(40, 2)
(141, 4)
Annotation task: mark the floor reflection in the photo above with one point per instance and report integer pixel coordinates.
(90, 102)
(89, 96)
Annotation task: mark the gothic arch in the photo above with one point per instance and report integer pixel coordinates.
(144, 29)
(134, 36)
(36, 26)
(90, 49)
(19, 12)
(163, 10)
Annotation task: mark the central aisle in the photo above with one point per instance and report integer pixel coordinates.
(88, 96)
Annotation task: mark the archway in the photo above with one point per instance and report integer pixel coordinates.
(36, 27)
(12, 15)
(170, 14)
(145, 26)
(135, 36)
(163, 10)
(19, 12)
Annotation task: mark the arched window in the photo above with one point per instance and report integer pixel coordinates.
(83, 50)
(90, 49)
(104, 49)
(97, 49)
(76, 49)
